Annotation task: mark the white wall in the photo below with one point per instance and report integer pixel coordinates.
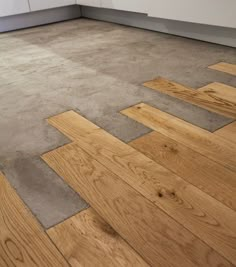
(141, 6)
(10, 7)
(47, 4)
(94, 3)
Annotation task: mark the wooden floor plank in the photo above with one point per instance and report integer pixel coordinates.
(87, 240)
(169, 192)
(208, 101)
(210, 177)
(219, 91)
(198, 139)
(228, 132)
(152, 233)
(22, 241)
(72, 125)
(224, 67)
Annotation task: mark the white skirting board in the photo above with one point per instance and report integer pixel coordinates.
(36, 18)
(213, 34)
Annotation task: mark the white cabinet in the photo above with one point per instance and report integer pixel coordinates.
(94, 3)
(13, 7)
(141, 6)
(211, 12)
(46, 4)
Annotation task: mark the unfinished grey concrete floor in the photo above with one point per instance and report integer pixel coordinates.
(96, 68)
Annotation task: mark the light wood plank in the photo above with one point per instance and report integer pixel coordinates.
(152, 233)
(198, 139)
(72, 125)
(228, 132)
(169, 192)
(220, 91)
(210, 177)
(196, 97)
(87, 240)
(22, 240)
(224, 67)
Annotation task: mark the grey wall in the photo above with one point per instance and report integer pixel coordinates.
(214, 34)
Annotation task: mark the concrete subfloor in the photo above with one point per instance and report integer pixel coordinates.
(95, 68)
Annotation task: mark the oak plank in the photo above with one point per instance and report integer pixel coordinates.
(219, 91)
(224, 67)
(208, 144)
(166, 190)
(72, 125)
(87, 240)
(228, 132)
(22, 241)
(205, 174)
(152, 233)
(208, 101)
(177, 198)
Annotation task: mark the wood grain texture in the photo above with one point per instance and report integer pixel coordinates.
(224, 67)
(87, 240)
(220, 91)
(22, 240)
(152, 233)
(72, 125)
(208, 144)
(228, 132)
(208, 101)
(175, 196)
(210, 177)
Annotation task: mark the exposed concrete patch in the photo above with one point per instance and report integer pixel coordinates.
(45, 194)
(198, 116)
(132, 128)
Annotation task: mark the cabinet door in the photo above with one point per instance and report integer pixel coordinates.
(141, 6)
(46, 4)
(13, 7)
(211, 12)
(95, 3)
